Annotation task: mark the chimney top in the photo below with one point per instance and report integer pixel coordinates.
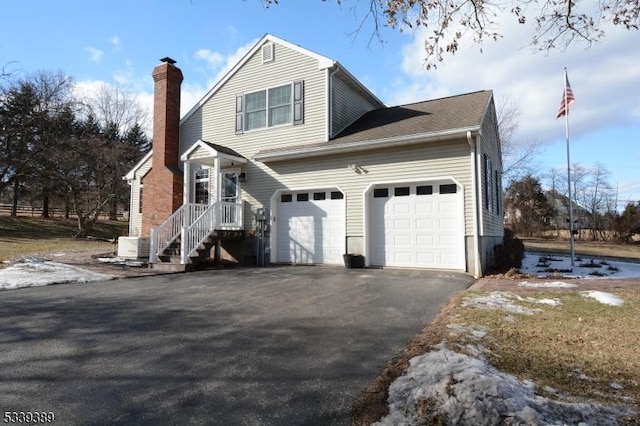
(168, 60)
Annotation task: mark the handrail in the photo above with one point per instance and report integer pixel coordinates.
(231, 216)
(220, 215)
(170, 229)
(193, 223)
(197, 232)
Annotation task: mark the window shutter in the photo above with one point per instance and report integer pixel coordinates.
(298, 102)
(239, 114)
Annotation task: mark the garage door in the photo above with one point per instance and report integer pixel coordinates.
(311, 227)
(417, 225)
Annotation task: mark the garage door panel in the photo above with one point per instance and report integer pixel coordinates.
(424, 224)
(425, 258)
(403, 257)
(401, 224)
(401, 240)
(401, 208)
(425, 241)
(424, 207)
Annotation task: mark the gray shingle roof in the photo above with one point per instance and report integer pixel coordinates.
(223, 149)
(432, 116)
(421, 118)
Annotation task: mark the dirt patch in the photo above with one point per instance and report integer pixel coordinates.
(88, 259)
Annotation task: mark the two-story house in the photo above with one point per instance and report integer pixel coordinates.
(297, 160)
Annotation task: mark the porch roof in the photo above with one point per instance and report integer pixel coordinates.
(202, 150)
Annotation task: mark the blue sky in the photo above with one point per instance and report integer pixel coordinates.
(119, 43)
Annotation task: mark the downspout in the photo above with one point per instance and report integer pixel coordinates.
(476, 222)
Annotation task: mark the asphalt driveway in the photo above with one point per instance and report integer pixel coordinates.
(281, 345)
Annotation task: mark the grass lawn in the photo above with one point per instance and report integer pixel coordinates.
(21, 236)
(581, 347)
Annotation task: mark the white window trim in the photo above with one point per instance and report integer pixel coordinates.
(197, 180)
(266, 90)
(238, 171)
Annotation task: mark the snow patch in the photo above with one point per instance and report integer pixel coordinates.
(35, 272)
(545, 266)
(457, 389)
(603, 297)
(552, 284)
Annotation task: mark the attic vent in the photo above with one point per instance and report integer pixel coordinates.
(267, 53)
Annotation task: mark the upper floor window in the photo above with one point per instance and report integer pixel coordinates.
(270, 107)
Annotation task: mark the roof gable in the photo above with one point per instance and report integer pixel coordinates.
(323, 63)
(212, 150)
(132, 173)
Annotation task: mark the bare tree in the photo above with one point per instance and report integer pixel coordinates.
(517, 156)
(116, 107)
(119, 114)
(595, 198)
(556, 24)
(554, 178)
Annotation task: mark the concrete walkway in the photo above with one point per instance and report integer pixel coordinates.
(281, 346)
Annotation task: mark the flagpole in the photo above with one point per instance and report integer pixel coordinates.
(566, 127)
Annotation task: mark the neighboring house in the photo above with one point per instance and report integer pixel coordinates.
(291, 137)
(582, 218)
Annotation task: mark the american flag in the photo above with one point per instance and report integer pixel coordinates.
(567, 98)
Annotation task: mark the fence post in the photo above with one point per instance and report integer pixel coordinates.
(183, 246)
(153, 245)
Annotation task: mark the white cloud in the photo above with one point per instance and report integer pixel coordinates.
(602, 77)
(213, 59)
(115, 42)
(95, 54)
(217, 63)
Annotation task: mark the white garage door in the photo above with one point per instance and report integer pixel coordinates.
(417, 225)
(311, 227)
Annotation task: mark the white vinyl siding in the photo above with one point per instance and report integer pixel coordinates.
(491, 177)
(428, 161)
(135, 217)
(215, 120)
(347, 104)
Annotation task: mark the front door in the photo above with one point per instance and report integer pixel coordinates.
(230, 186)
(230, 197)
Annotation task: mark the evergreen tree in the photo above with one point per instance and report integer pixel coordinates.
(526, 205)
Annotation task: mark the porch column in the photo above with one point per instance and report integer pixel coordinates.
(218, 184)
(186, 182)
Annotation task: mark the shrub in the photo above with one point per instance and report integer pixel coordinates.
(509, 254)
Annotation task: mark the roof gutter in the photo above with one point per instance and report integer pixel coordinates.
(302, 151)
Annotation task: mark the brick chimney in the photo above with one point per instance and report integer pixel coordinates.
(162, 186)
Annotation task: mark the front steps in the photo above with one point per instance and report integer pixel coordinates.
(209, 250)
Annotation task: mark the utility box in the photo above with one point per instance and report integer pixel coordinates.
(133, 247)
